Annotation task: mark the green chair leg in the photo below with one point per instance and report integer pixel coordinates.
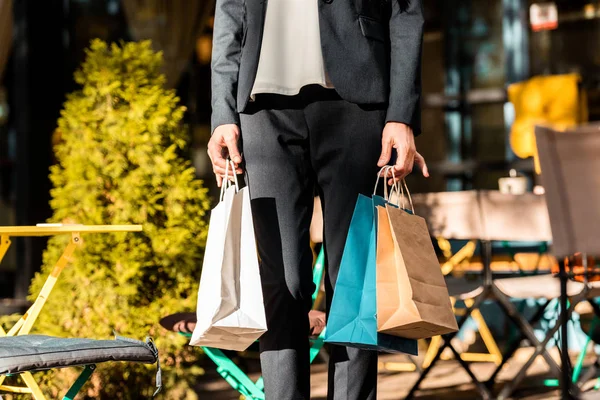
(580, 360)
(234, 375)
(316, 346)
(318, 271)
(81, 380)
(579, 365)
(260, 384)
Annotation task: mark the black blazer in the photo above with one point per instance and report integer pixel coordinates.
(371, 50)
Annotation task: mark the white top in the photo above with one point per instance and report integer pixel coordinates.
(290, 55)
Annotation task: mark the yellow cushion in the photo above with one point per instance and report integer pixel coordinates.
(554, 100)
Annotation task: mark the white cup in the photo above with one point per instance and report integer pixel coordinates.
(513, 184)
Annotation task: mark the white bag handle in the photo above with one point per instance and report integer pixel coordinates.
(226, 182)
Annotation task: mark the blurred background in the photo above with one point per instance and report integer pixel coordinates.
(473, 51)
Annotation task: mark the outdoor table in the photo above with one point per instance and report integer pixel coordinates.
(485, 216)
(26, 322)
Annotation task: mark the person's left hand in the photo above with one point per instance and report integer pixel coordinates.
(400, 136)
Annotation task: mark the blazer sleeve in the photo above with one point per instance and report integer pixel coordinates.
(225, 64)
(406, 40)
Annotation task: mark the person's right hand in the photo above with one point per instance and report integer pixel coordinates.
(223, 144)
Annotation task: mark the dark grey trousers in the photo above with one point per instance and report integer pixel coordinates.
(294, 147)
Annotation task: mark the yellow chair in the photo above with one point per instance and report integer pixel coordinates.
(555, 100)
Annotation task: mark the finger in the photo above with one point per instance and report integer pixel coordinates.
(410, 161)
(399, 169)
(221, 171)
(396, 176)
(420, 162)
(232, 147)
(386, 152)
(216, 155)
(219, 180)
(404, 163)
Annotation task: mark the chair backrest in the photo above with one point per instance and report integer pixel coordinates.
(570, 164)
(451, 215)
(514, 217)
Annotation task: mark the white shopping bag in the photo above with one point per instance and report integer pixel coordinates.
(230, 310)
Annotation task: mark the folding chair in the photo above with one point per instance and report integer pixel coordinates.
(544, 289)
(231, 372)
(570, 162)
(452, 215)
(487, 217)
(21, 355)
(458, 225)
(464, 255)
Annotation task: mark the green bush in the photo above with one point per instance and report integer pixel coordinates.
(120, 161)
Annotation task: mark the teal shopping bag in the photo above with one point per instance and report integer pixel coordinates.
(352, 319)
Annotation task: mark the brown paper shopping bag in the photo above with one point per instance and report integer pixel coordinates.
(412, 297)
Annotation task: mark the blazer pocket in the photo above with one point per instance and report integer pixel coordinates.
(371, 28)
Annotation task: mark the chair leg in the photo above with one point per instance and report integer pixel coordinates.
(432, 350)
(540, 350)
(591, 372)
(495, 355)
(446, 343)
(81, 380)
(565, 316)
(581, 358)
(260, 384)
(524, 327)
(30, 388)
(234, 375)
(510, 387)
(481, 388)
(516, 344)
(36, 392)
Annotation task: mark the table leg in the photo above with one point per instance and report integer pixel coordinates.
(36, 392)
(15, 389)
(32, 314)
(32, 387)
(4, 245)
(2, 333)
(24, 325)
